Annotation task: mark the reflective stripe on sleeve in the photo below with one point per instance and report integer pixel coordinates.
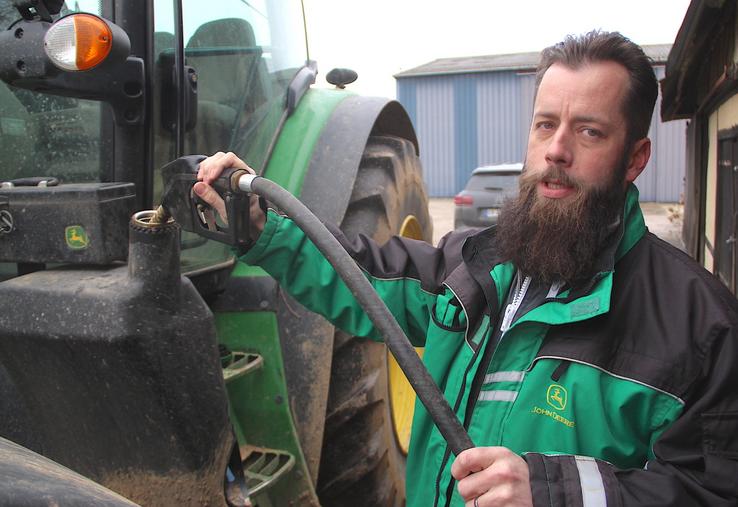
(504, 376)
(593, 489)
(498, 395)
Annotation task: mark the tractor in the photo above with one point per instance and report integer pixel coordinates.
(156, 368)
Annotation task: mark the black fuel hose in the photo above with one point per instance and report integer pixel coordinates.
(438, 408)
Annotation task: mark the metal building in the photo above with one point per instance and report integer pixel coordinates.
(474, 111)
(702, 85)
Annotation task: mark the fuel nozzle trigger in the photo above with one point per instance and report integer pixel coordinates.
(194, 214)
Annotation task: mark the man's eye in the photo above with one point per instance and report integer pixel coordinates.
(590, 132)
(545, 125)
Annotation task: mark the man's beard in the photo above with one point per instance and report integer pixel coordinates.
(558, 240)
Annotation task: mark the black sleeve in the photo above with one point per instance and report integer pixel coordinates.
(696, 458)
(406, 258)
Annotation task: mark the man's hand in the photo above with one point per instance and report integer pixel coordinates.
(209, 170)
(492, 476)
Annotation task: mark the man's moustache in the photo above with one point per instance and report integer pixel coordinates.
(551, 173)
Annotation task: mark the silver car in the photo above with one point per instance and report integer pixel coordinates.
(478, 205)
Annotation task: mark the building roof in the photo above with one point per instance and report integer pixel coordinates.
(525, 62)
(694, 45)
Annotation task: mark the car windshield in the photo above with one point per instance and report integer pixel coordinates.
(494, 181)
(46, 135)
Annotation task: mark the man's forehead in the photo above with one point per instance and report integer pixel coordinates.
(591, 90)
(589, 69)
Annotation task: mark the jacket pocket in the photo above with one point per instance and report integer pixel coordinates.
(720, 448)
(720, 434)
(448, 315)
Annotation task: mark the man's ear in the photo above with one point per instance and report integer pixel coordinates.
(638, 159)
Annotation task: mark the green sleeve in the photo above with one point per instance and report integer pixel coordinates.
(286, 253)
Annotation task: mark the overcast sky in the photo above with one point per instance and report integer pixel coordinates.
(380, 38)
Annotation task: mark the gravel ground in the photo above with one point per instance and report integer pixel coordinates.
(663, 219)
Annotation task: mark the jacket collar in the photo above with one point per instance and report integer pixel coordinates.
(480, 258)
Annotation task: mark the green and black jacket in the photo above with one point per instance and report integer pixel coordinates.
(624, 392)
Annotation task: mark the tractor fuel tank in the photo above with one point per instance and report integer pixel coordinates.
(119, 372)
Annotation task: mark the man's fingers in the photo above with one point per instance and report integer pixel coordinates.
(210, 196)
(475, 459)
(483, 469)
(206, 166)
(474, 485)
(211, 167)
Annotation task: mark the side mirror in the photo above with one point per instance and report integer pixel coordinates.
(80, 55)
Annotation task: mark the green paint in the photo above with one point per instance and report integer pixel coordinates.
(294, 149)
(243, 270)
(259, 403)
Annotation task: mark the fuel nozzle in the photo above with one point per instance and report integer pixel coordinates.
(195, 215)
(159, 216)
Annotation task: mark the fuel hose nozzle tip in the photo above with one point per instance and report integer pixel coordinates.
(160, 216)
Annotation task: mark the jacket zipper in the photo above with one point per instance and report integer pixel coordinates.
(512, 307)
(510, 310)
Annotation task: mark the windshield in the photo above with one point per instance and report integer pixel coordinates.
(245, 55)
(46, 135)
(494, 181)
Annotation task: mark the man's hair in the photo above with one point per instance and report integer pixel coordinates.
(596, 46)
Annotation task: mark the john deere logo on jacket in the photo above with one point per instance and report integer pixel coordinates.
(556, 396)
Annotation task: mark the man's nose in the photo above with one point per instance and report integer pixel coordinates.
(559, 150)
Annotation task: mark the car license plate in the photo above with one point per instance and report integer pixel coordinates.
(488, 213)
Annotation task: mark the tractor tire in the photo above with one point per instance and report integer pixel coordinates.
(362, 464)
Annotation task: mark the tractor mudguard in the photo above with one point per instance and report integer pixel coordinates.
(338, 153)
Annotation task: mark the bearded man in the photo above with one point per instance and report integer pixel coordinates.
(591, 362)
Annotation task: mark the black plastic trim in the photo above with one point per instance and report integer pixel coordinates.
(252, 294)
(132, 145)
(299, 85)
(339, 149)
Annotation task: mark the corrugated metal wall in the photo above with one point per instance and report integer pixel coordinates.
(467, 120)
(434, 119)
(663, 178)
(502, 118)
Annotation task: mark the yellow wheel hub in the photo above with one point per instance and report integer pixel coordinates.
(402, 396)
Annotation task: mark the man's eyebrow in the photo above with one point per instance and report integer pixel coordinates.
(592, 119)
(544, 114)
(577, 119)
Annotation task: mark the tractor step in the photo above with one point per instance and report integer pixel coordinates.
(263, 467)
(237, 364)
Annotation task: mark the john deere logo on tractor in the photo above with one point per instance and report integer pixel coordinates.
(76, 237)
(556, 396)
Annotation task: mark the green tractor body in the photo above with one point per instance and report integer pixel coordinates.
(160, 366)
